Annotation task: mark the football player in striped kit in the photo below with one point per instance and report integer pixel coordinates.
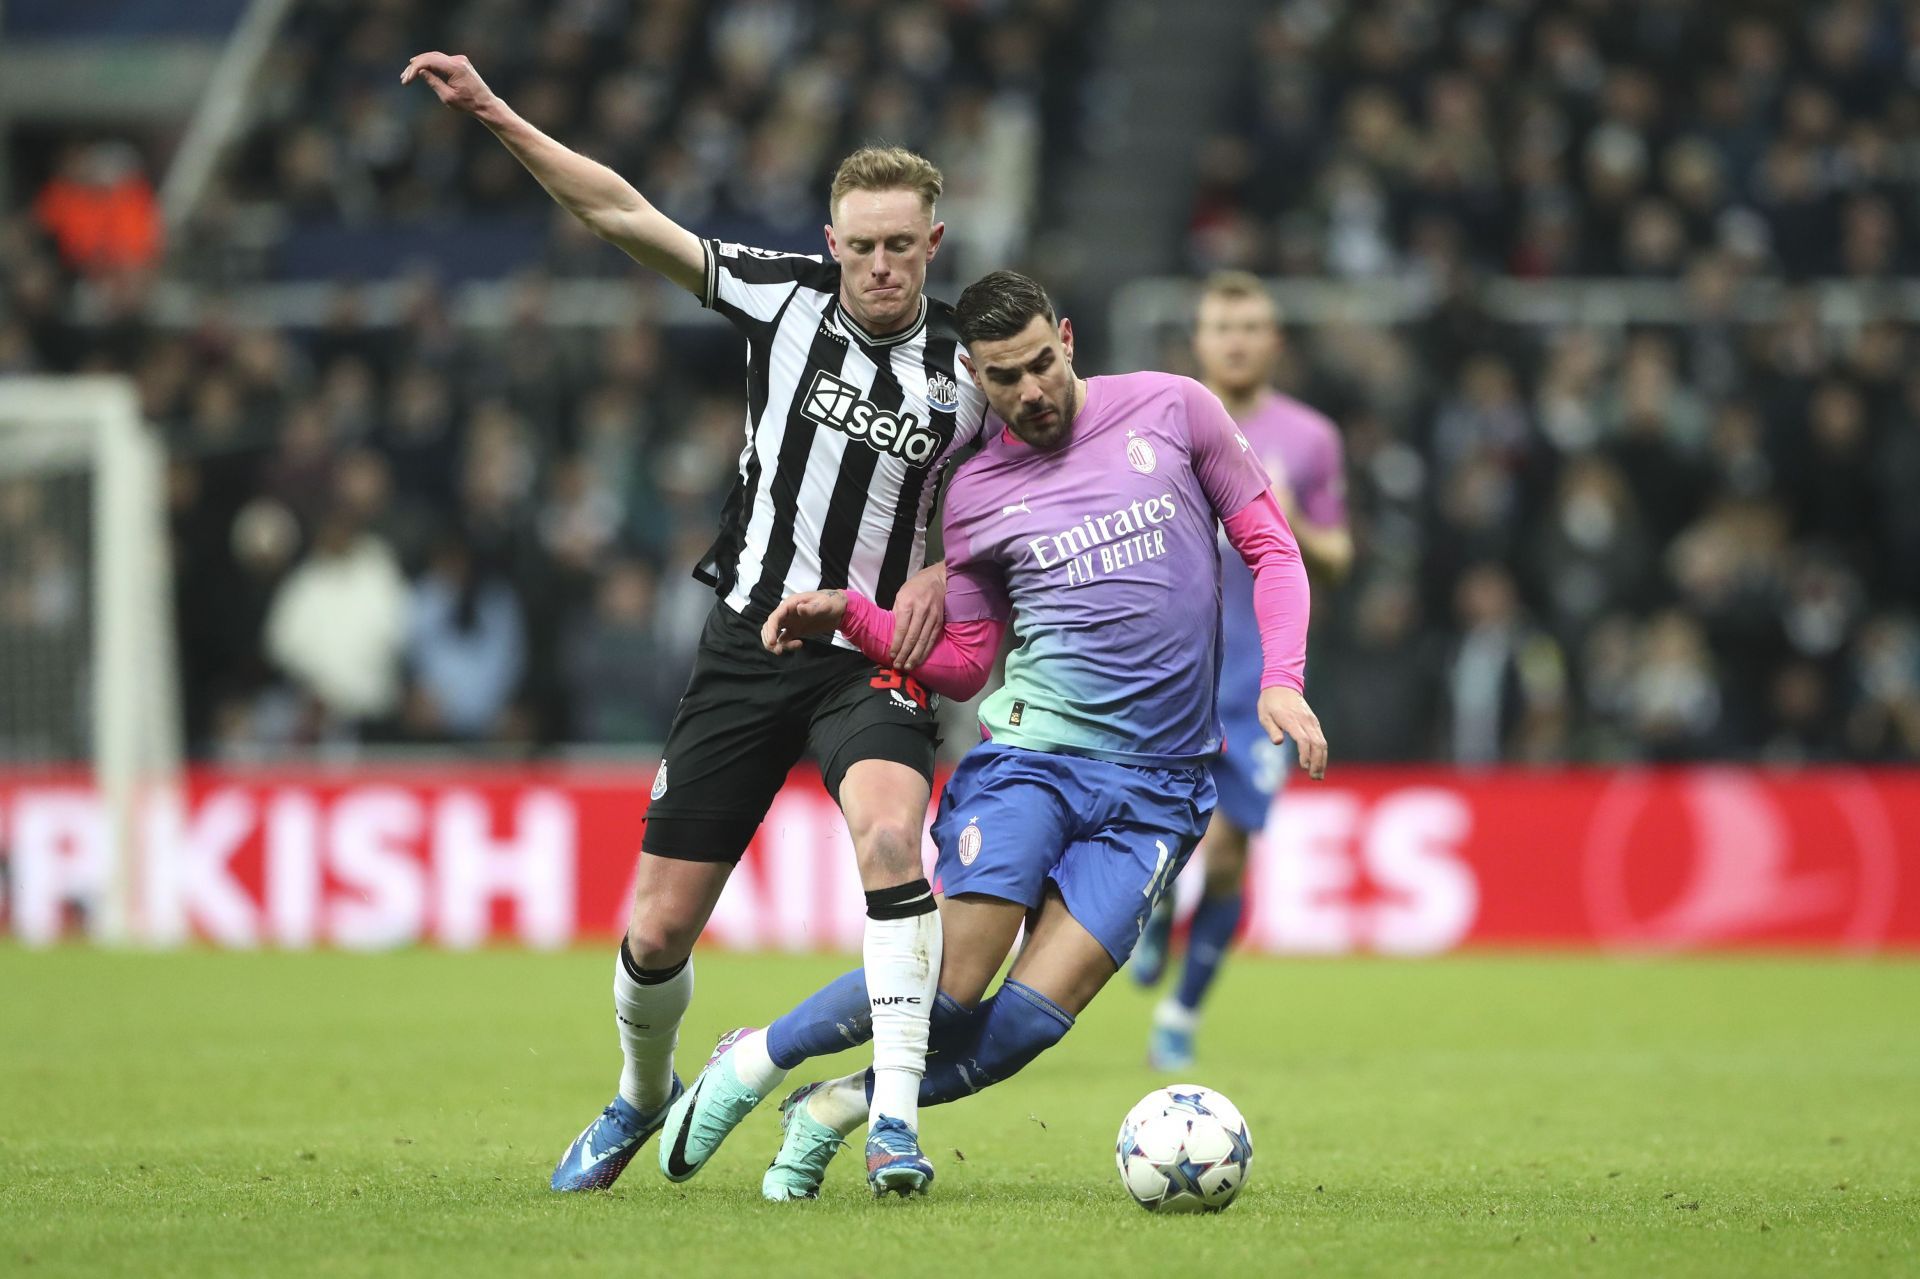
(857, 400)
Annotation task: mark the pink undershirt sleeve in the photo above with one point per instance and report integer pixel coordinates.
(1282, 601)
(961, 657)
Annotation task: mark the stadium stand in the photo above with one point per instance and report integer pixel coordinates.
(1676, 539)
(1538, 139)
(1689, 537)
(736, 112)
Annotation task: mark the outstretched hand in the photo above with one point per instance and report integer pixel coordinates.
(799, 617)
(452, 79)
(1285, 712)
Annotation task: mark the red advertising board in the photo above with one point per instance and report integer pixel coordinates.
(1399, 861)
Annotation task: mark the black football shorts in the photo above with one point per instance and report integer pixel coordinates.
(747, 717)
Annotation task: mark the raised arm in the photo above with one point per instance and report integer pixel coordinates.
(599, 197)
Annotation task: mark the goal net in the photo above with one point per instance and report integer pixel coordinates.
(88, 681)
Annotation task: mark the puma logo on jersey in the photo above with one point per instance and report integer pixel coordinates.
(838, 404)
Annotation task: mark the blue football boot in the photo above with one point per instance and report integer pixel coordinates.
(894, 1162)
(602, 1152)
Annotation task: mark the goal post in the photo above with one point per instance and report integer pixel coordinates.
(88, 676)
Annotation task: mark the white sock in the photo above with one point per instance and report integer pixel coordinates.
(753, 1065)
(648, 1015)
(903, 972)
(1175, 1015)
(841, 1104)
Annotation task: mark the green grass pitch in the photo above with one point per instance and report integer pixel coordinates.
(205, 1114)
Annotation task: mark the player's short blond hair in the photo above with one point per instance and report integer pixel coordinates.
(1236, 285)
(886, 169)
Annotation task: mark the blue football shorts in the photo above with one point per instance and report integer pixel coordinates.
(1113, 837)
(1249, 771)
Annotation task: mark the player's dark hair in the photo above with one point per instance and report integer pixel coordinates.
(999, 305)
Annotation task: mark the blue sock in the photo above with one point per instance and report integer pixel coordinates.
(838, 1016)
(989, 1045)
(834, 1017)
(1215, 921)
(950, 1025)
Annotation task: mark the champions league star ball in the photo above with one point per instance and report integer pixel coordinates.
(1183, 1149)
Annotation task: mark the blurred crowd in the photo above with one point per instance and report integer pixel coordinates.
(413, 533)
(1573, 544)
(1669, 541)
(736, 111)
(1657, 542)
(1569, 137)
(1691, 539)
(416, 533)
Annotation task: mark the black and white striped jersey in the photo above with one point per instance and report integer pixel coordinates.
(846, 434)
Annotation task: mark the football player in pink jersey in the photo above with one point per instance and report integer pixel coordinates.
(1086, 526)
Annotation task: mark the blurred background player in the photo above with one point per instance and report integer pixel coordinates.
(1237, 344)
(1088, 524)
(857, 401)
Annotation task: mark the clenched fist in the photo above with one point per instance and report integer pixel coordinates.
(453, 81)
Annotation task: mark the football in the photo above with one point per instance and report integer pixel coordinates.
(1184, 1148)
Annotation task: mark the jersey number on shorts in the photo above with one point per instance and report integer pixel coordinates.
(890, 680)
(1162, 873)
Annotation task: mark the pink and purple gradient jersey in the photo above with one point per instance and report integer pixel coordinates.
(1301, 448)
(1102, 552)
